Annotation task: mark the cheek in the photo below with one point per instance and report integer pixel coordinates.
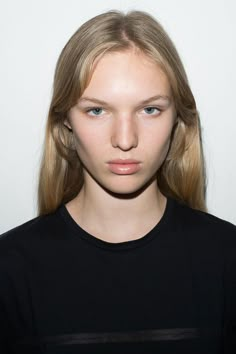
(159, 140)
(159, 153)
(88, 143)
(165, 149)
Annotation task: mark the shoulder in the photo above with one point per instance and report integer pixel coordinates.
(201, 219)
(39, 228)
(204, 225)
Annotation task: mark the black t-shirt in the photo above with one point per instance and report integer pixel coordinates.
(63, 290)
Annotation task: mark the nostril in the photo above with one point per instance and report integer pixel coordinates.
(125, 135)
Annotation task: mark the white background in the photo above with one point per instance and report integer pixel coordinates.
(32, 35)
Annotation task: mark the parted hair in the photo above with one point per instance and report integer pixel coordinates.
(182, 174)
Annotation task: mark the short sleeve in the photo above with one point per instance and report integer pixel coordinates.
(4, 323)
(230, 294)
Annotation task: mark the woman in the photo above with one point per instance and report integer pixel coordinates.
(123, 257)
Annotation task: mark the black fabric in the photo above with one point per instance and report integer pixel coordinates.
(173, 290)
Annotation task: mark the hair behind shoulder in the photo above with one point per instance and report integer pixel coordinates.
(182, 174)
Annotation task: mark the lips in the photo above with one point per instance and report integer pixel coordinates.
(124, 166)
(124, 161)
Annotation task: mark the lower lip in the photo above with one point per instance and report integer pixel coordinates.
(124, 169)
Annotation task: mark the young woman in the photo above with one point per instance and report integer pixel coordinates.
(123, 257)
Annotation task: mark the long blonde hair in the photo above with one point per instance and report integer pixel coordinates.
(182, 174)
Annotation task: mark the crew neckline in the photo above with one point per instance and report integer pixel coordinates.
(79, 232)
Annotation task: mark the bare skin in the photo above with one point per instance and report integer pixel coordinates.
(111, 206)
(125, 226)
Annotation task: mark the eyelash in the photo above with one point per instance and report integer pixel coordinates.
(88, 110)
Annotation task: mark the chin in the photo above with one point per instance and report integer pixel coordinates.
(125, 189)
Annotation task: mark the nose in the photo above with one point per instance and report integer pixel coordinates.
(124, 133)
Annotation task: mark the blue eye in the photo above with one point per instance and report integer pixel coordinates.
(95, 110)
(151, 110)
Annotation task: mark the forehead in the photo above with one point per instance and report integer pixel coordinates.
(128, 72)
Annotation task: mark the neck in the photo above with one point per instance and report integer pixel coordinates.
(117, 218)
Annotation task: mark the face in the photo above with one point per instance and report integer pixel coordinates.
(126, 112)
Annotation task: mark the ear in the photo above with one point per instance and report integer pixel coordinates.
(177, 119)
(67, 124)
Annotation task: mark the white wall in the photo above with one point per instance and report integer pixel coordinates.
(32, 34)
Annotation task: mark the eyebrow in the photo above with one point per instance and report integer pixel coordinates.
(153, 98)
